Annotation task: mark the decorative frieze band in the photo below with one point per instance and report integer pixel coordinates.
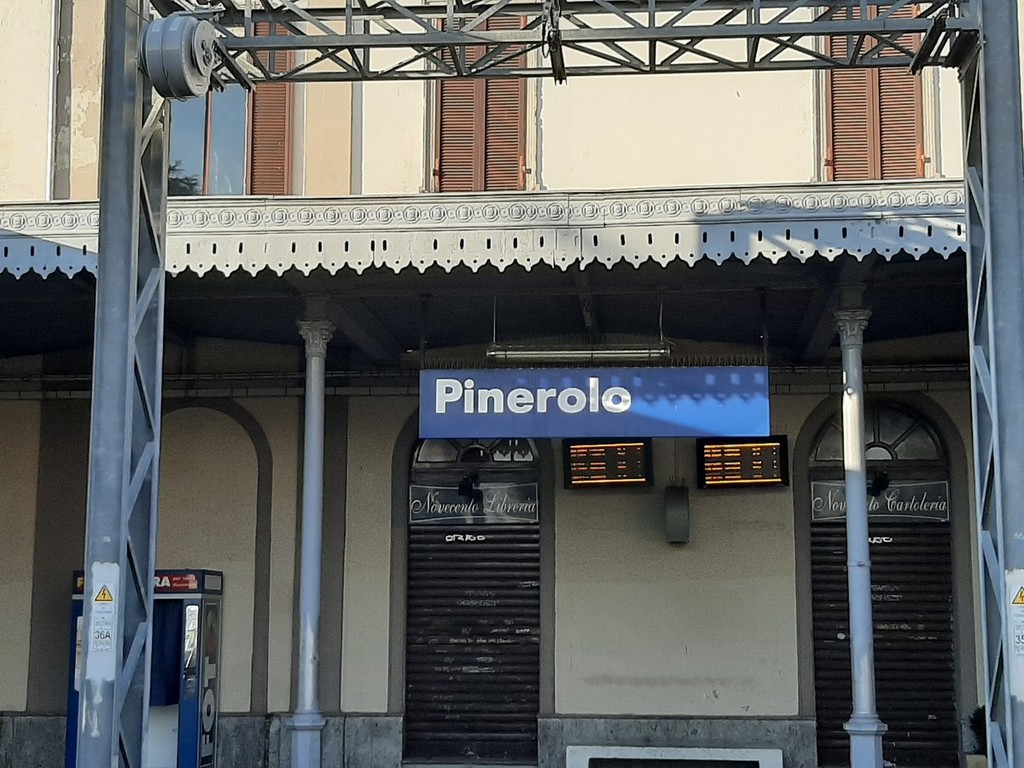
(560, 229)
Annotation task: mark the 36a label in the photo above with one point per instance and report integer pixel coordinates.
(101, 635)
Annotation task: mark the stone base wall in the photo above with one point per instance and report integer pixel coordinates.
(375, 741)
(795, 737)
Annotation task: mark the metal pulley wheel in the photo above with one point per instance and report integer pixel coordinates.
(178, 54)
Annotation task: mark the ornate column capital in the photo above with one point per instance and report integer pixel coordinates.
(316, 334)
(851, 324)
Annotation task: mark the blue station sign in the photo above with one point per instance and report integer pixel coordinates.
(595, 402)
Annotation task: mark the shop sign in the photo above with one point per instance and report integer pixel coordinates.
(900, 502)
(595, 402)
(483, 503)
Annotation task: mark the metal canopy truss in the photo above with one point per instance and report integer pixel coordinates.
(390, 40)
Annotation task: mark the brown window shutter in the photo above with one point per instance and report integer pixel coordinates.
(849, 126)
(460, 130)
(505, 124)
(901, 133)
(874, 123)
(900, 125)
(270, 132)
(849, 93)
(481, 129)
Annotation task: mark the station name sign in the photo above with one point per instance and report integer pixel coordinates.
(595, 402)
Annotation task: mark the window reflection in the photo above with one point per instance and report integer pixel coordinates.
(209, 144)
(228, 118)
(188, 147)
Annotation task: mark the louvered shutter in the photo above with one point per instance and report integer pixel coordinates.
(900, 132)
(849, 103)
(849, 127)
(505, 139)
(481, 128)
(271, 129)
(873, 118)
(460, 124)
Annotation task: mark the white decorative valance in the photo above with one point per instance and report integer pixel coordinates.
(560, 229)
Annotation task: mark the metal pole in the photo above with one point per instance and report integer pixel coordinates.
(307, 722)
(103, 620)
(125, 429)
(864, 727)
(994, 175)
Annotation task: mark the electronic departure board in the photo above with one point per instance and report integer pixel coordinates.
(741, 461)
(597, 463)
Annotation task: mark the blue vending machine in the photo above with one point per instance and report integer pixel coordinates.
(184, 681)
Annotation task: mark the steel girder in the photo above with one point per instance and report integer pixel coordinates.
(124, 446)
(994, 171)
(392, 40)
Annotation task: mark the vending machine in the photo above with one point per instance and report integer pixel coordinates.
(184, 680)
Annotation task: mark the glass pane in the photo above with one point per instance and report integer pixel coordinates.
(878, 453)
(188, 131)
(228, 141)
(475, 454)
(512, 450)
(830, 447)
(892, 424)
(918, 445)
(436, 452)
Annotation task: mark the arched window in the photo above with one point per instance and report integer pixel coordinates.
(436, 453)
(892, 433)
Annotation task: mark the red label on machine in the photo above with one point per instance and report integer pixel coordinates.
(176, 582)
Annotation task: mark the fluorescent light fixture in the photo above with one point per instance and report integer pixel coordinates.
(598, 353)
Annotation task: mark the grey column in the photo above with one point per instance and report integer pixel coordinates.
(864, 727)
(124, 445)
(994, 176)
(307, 722)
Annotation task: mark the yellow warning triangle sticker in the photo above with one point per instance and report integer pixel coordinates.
(1019, 599)
(104, 596)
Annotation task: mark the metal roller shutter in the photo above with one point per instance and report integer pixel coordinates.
(473, 642)
(914, 664)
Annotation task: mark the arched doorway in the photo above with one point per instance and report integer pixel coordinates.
(912, 589)
(472, 650)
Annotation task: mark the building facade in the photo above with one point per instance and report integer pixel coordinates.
(724, 217)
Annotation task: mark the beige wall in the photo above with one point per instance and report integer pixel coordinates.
(27, 41)
(394, 129)
(86, 73)
(324, 151)
(326, 110)
(642, 627)
(19, 466)
(374, 425)
(281, 419)
(678, 131)
(207, 520)
(595, 132)
(706, 628)
(958, 406)
(949, 120)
